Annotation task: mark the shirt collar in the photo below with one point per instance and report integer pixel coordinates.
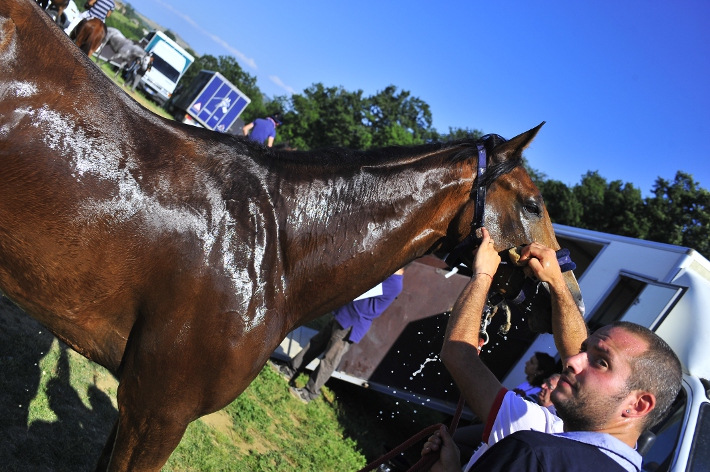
(614, 447)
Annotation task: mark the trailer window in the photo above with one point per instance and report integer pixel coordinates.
(582, 252)
(636, 299)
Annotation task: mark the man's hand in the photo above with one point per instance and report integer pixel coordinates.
(543, 262)
(568, 326)
(486, 259)
(449, 456)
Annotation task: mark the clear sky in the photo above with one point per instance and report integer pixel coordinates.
(624, 86)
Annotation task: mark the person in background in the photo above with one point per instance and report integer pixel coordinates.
(263, 129)
(142, 66)
(349, 325)
(100, 9)
(543, 396)
(540, 366)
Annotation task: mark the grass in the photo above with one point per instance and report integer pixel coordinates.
(137, 96)
(57, 408)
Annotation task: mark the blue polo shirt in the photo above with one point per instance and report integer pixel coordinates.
(263, 128)
(360, 313)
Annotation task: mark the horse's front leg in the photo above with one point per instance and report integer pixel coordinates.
(175, 369)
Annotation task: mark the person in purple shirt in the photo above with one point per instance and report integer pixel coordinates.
(349, 325)
(263, 129)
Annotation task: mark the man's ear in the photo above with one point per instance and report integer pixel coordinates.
(640, 405)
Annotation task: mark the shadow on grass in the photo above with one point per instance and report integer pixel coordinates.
(74, 439)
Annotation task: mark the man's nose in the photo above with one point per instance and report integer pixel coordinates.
(577, 363)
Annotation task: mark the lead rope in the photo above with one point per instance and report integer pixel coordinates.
(427, 461)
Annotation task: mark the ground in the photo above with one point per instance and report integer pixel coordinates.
(57, 408)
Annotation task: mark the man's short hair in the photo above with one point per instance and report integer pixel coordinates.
(657, 371)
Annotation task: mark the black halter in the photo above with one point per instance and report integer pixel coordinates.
(463, 251)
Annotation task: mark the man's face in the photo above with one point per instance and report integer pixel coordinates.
(593, 386)
(550, 383)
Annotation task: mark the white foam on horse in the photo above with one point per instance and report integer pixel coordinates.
(92, 158)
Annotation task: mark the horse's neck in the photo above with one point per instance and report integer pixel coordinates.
(348, 234)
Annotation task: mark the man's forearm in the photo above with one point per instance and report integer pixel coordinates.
(460, 350)
(568, 327)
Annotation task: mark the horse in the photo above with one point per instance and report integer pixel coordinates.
(59, 5)
(88, 35)
(179, 258)
(126, 51)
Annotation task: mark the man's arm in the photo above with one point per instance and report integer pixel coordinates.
(568, 327)
(246, 128)
(270, 141)
(459, 353)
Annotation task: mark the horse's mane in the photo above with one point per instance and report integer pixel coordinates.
(347, 159)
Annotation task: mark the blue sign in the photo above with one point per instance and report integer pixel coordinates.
(218, 105)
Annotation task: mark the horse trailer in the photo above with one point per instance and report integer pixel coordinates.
(170, 61)
(663, 287)
(210, 101)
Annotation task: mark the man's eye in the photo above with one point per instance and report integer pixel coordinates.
(602, 363)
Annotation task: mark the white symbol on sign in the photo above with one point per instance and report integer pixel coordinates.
(197, 106)
(225, 104)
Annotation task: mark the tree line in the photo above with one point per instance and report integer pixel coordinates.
(677, 211)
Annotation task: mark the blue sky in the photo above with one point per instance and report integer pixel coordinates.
(624, 86)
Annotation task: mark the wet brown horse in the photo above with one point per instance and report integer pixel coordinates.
(88, 35)
(179, 258)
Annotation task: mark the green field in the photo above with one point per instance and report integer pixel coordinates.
(58, 408)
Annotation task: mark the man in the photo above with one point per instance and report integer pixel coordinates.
(100, 9)
(619, 384)
(543, 396)
(142, 66)
(349, 325)
(263, 129)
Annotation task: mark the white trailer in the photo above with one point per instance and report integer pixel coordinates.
(663, 287)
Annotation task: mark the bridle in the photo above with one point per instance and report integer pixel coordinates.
(478, 195)
(462, 253)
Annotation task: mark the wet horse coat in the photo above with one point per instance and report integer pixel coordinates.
(179, 258)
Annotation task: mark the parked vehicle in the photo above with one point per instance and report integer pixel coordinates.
(210, 101)
(170, 61)
(663, 287)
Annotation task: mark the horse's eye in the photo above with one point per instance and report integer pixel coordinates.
(533, 208)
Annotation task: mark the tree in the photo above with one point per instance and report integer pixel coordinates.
(679, 213)
(170, 35)
(397, 118)
(561, 203)
(614, 207)
(324, 117)
(457, 133)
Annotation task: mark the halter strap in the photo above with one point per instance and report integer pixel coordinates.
(479, 212)
(478, 193)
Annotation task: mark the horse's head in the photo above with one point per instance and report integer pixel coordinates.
(515, 215)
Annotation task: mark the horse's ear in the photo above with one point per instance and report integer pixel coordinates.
(514, 147)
